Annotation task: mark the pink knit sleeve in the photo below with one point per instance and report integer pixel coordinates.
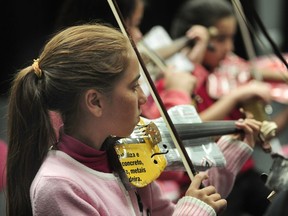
(236, 153)
(159, 205)
(188, 206)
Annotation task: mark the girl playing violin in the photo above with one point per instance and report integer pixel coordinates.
(178, 90)
(178, 85)
(216, 15)
(90, 75)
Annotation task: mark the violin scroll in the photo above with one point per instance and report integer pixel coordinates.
(267, 132)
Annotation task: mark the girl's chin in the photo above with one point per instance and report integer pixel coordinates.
(130, 131)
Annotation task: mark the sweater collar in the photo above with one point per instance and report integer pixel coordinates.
(90, 157)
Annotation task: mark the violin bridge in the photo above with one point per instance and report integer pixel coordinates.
(153, 132)
(149, 131)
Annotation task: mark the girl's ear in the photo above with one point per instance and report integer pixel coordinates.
(93, 102)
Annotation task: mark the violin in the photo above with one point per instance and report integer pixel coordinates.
(155, 54)
(149, 150)
(157, 48)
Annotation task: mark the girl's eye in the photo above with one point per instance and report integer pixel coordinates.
(136, 86)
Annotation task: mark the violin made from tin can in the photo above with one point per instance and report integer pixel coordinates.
(150, 150)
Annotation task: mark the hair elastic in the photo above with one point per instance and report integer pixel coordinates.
(36, 68)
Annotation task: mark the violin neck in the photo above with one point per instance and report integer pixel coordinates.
(206, 129)
(178, 44)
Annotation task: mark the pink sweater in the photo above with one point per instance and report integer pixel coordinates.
(71, 185)
(64, 186)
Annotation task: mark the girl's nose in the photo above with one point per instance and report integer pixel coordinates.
(142, 97)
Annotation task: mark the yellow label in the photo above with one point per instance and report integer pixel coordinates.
(141, 161)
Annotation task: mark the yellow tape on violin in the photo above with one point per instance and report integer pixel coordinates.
(142, 160)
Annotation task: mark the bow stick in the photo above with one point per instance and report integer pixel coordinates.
(245, 35)
(175, 137)
(244, 24)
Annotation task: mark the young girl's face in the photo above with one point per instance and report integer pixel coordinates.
(223, 43)
(123, 107)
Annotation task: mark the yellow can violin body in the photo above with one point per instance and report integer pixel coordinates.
(141, 159)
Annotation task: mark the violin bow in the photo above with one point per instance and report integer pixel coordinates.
(153, 57)
(243, 23)
(245, 35)
(273, 45)
(172, 130)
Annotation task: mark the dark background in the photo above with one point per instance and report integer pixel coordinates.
(26, 25)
